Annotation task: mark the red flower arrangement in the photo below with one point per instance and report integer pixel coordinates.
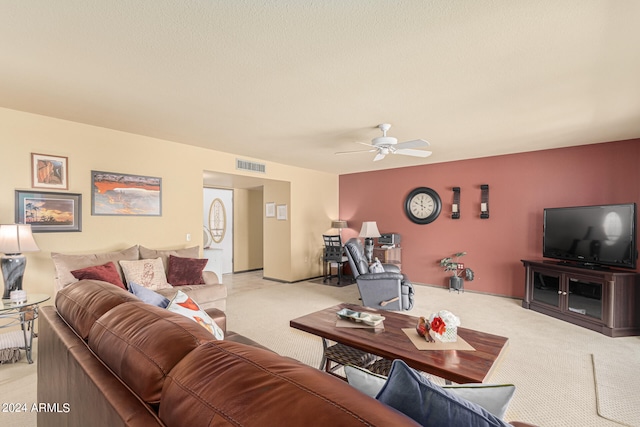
(438, 326)
(444, 326)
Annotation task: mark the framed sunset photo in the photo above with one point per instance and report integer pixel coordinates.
(49, 212)
(124, 194)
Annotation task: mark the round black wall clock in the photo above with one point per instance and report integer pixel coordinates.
(423, 205)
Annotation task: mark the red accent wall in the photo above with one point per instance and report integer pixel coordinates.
(520, 186)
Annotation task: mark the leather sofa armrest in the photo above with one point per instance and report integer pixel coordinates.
(219, 317)
(236, 337)
(391, 268)
(381, 276)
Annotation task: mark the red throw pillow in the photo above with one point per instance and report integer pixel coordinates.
(185, 271)
(106, 272)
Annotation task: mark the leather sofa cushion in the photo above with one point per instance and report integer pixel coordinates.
(69, 373)
(82, 303)
(225, 383)
(236, 337)
(141, 343)
(354, 247)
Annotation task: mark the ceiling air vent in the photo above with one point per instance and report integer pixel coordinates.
(251, 166)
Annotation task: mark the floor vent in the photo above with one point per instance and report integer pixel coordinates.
(251, 166)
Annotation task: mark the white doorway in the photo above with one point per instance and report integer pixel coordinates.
(217, 221)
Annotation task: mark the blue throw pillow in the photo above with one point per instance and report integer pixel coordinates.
(429, 404)
(494, 398)
(148, 296)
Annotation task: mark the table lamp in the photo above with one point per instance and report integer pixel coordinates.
(369, 230)
(339, 224)
(14, 240)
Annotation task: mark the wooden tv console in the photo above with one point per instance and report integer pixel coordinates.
(603, 300)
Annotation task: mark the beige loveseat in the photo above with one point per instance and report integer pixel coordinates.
(211, 294)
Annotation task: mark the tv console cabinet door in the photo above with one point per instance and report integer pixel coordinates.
(546, 288)
(585, 297)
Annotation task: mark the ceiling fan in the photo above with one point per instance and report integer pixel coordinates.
(389, 145)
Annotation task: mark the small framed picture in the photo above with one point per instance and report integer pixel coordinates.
(282, 212)
(49, 212)
(49, 171)
(270, 210)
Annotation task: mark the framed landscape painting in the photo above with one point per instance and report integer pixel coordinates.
(49, 212)
(124, 194)
(49, 171)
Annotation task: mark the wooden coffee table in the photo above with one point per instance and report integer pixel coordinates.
(392, 343)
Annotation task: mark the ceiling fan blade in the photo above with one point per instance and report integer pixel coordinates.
(414, 153)
(412, 144)
(389, 145)
(356, 151)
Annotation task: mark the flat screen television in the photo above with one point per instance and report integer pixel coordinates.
(591, 236)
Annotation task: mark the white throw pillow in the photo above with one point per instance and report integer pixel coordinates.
(494, 398)
(184, 305)
(364, 380)
(145, 272)
(376, 267)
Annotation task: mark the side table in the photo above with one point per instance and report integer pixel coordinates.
(23, 314)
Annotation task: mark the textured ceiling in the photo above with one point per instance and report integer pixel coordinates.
(295, 81)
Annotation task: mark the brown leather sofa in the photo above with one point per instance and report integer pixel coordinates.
(107, 359)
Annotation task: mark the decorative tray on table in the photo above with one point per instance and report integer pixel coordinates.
(369, 319)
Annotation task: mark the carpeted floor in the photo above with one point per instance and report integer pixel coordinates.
(548, 360)
(551, 362)
(18, 383)
(618, 387)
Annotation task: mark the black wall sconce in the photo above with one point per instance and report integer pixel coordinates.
(484, 201)
(455, 207)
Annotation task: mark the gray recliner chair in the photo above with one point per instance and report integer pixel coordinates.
(389, 290)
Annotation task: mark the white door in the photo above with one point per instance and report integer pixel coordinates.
(218, 223)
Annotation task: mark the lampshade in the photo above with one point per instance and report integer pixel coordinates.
(369, 229)
(16, 239)
(339, 224)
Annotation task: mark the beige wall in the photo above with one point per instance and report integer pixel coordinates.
(277, 257)
(255, 246)
(313, 210)
(312, 197)
(247, 229)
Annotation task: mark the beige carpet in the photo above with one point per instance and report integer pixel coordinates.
(618, 388)
(18, 385)
(548, 360)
